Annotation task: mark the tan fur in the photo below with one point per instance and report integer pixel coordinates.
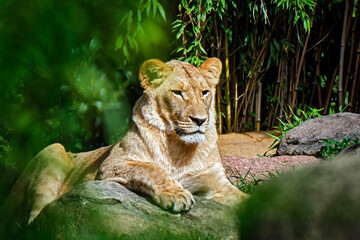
(169, 153)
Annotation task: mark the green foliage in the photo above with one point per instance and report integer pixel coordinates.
(5, 150)
(65, 76)
(247, 183)
(333, 148)
(193, 25)
(341, 109)
(134, 22)
(299, 9)
(195, 22)
(250, 181)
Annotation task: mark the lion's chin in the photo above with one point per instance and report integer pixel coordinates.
(193, 138)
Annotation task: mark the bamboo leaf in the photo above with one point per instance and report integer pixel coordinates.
(124, 18)
(201, 48)
(184, 3)
(130, 19)
(191, 47)
(140, 28)
(139, 15)
(161, 10)
(130, 41)
(136, 45)
(196, 29)
(154, 3)
(276, 44)
(148, 8)
(178, 35)
(126, 52)
(223, 3)
(119, 42)
(179, 49)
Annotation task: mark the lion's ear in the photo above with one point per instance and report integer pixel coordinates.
(152, 73)
(211, 70)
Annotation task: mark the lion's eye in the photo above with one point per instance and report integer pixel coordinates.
(205, 93)
(177, 93)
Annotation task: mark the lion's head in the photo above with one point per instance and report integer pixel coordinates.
(182, 97)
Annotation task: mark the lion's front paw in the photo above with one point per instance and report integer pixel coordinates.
(175, 199)
(229, 195)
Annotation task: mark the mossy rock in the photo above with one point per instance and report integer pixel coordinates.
(106, 210)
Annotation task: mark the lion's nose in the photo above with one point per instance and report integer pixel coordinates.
(197, 121)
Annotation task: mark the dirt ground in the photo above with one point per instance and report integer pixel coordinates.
(246, 145)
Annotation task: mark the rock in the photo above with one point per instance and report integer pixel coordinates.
(263, 167)
(247, 144)
(107, 210)
(308, 137)
(320, 202)
(353, 150)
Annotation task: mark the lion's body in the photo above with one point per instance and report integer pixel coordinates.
(169, 153)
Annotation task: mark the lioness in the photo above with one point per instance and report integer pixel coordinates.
(169, 153)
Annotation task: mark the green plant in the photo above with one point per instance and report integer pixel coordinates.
(246, 183)
(333, 148)
(194, 25)
(250, 181)
(78, 90)
(341, 109)
(134, 22)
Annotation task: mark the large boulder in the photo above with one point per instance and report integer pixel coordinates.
(106, 210)
(320, 202)
(308, 138)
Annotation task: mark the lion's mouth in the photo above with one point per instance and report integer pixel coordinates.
(195, 136)
(182, 132)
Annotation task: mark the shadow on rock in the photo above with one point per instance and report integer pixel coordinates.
(320, 202)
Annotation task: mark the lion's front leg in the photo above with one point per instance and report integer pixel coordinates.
(227, 194)
(151, 179)
(215, 185)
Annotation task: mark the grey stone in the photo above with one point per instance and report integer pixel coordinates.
(107, 210)
(317, 203)
(308, 138)
(353, 151)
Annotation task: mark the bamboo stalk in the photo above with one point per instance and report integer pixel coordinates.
(304, 87)
(183, 35)
(291, 81)
(328, 96)
(227, 80)
(285, 92)
(351, 48)
(356, 77)
(258, 107)
(342, 54)
(273, 109)
(317, 74)
(301, 63)
(236, 100)
(235, 82)
(318, 56)
(219, 86)
(356, 96)
(257, 66)
(285, 75)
